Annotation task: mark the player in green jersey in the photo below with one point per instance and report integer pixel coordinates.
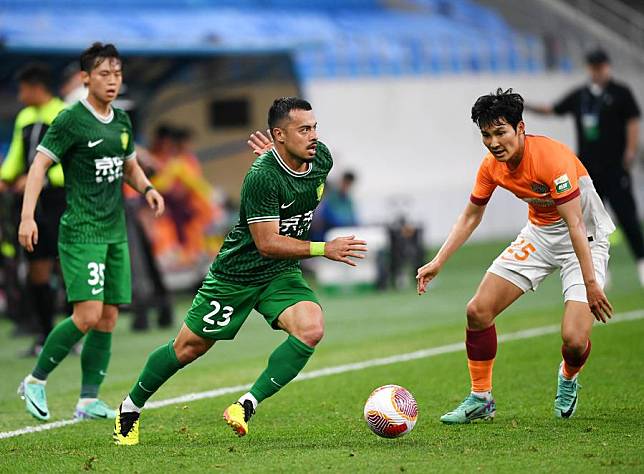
(258, 268)
(93, 142)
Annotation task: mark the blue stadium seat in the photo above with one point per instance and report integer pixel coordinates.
(329, 37)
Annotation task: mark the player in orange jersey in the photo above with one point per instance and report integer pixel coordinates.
(567, 230)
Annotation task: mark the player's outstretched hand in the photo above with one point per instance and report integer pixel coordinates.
(343, 249)
(425, 274)
(260, 143)
(599, 304)
(28, 234)
(155, 201)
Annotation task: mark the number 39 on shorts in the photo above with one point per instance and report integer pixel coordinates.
(214, 318)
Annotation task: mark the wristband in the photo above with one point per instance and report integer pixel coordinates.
(317, 249)
(147, 189)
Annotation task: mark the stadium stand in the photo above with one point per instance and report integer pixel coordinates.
(354, 38)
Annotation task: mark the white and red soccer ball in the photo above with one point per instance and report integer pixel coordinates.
(391, 411)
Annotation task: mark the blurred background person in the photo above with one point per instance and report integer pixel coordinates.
(336, 209)
(35, 85)
(179, 238)
(607, 119)
(72, 88)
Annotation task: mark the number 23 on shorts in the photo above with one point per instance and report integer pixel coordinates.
(214, 318)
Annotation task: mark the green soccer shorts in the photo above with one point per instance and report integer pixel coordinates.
(220, 308)
(98, 272)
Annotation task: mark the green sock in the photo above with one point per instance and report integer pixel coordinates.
(95, 358)
(58, 344)
(161, 365)
(284, 364)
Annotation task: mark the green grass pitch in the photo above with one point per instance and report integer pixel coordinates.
(316, 425)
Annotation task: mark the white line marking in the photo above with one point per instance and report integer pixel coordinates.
(338, 369)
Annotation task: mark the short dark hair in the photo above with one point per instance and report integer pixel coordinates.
(349, 176)
(490, 109)
(281, 108)
(36, 74)
(596, 57)
(93, 56)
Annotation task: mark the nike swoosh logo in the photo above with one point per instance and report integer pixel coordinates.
(205, 329)
(273, 380)
(43, 413)
(568, 413)
(91, 144)
(96, 291)
(470, 413)
(102, 372)
(53, 361)
(284, 206)
(143, 388)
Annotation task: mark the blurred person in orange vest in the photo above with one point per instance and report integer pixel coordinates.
(179, 178)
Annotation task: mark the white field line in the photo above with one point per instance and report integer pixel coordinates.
(338, 369)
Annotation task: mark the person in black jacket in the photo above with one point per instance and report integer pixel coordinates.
(607, 119)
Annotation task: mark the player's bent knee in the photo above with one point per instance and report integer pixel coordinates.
(188, 351)
(312, 335)
(308, 325)
(479, 316)
(86, 320)
(575, 343)
(107, 321)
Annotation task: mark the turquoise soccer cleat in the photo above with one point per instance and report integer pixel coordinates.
(35, 399)
(567, 399)
(471, 409)
(95, 410)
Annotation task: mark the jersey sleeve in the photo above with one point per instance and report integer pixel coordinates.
(484, 185)
(14, 163)
(259, 198)
(130, 147)
(59, 138)
(566, 104)
(559, 172)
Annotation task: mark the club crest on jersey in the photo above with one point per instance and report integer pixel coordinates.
(320, 191)
(125, 139)
(562, 183)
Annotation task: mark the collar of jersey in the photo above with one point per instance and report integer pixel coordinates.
(96, 115)
(297, 174)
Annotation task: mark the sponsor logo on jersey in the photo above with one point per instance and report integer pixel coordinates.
(284, 206)
(320, 191)
(539, 188)
(96, 291)
(539, 202)
(91, 144)
(296, 226)
(108, 168)
(562, 183)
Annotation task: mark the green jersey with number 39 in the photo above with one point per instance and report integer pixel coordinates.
(272, 192)
(92, 150)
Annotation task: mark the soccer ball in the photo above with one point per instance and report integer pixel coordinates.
(391, 411)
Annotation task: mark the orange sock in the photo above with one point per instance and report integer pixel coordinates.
(481, 374)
